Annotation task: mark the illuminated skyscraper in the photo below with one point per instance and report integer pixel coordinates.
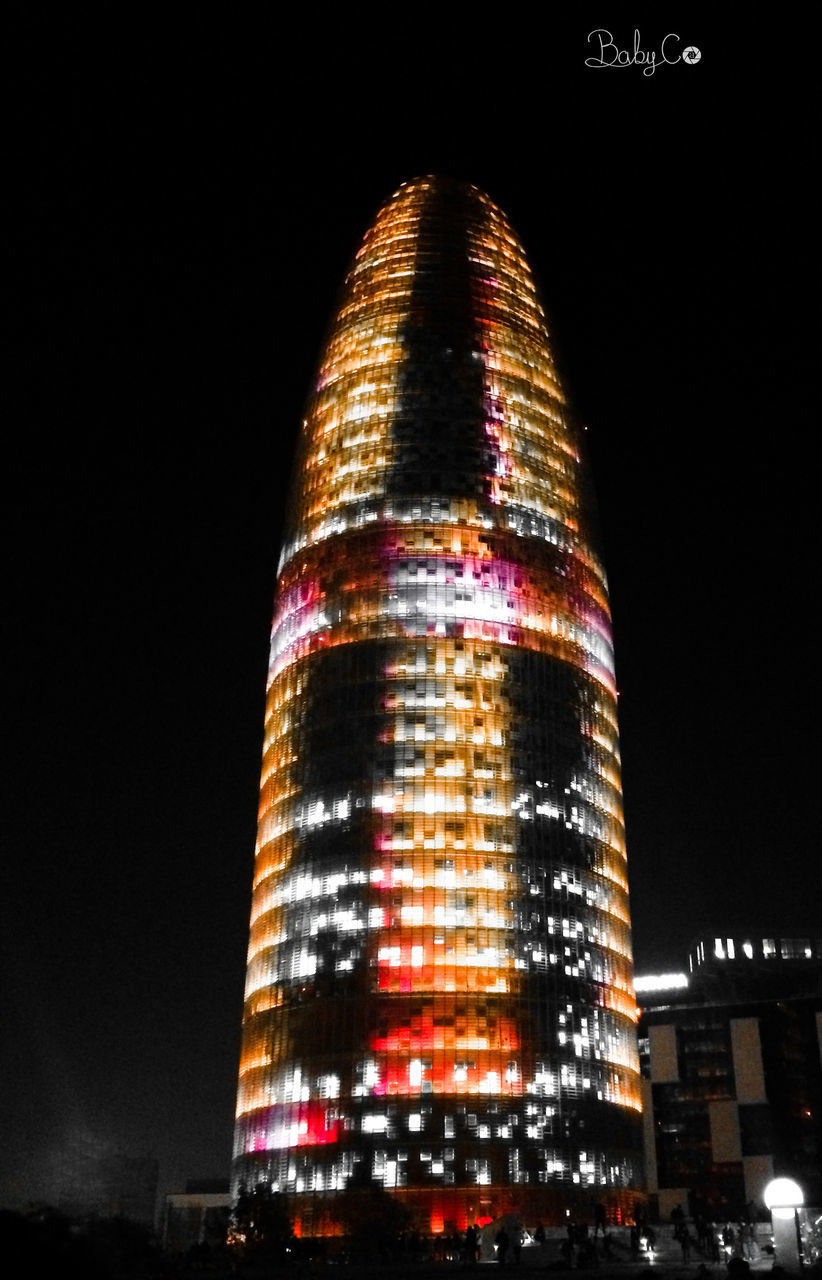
(439, 998)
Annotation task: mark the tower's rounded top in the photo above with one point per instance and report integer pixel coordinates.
(444, 186)
(437, 398)
(439, 182)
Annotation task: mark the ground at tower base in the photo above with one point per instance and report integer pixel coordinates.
(683, 1246)
(260, 1243)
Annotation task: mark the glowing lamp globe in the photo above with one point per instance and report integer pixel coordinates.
(782, 1197)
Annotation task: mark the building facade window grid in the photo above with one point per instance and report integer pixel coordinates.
(439, 991)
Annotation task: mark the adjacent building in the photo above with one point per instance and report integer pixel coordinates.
(198, 1216)
(439, 1001)
(732, 1059)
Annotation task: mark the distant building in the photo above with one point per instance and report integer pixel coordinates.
(199, 1215)
(731, 1056)
(96, 1182)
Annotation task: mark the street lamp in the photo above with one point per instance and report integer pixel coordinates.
(782, 1198)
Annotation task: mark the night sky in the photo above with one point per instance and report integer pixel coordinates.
(185, 205)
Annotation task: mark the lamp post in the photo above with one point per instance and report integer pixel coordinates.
(782, 1198)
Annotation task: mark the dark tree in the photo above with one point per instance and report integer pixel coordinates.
(261, 1229)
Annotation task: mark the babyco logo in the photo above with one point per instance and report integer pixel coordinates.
(607, 52)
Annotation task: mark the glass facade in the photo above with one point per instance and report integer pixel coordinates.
(440, 991)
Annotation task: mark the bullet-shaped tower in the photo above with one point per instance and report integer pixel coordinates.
(440, 994)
